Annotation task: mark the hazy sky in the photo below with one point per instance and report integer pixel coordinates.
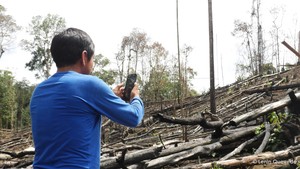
(107, 21)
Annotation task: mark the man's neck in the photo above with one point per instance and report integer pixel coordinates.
(68, 68)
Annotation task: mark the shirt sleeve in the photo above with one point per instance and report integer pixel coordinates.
(108, 104)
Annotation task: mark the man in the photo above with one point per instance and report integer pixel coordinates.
(66, 109)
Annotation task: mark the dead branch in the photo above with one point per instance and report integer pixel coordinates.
(265, 140)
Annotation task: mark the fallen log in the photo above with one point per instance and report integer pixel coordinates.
(171, 155)
(185, 151)
(196, 120)
(175, 158)
(28, 151)
(199, 120)
(271, 88)
(266, 158)
(8, 164)
(260, 111)
(248, 142)
(130, 158)
(241, 147)
(248, 131)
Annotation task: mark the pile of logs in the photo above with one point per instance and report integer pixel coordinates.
(16, 149)
(257, 123)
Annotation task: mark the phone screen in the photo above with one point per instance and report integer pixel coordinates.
(131, 79)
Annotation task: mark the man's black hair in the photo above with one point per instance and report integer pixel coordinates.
(68, 45)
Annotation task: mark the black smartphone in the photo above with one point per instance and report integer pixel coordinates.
(131, 79)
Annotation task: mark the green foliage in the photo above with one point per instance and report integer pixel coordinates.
(259, 129)
(7, 100)
(193, 92)
(277, 118)
(23, 96)
(243, 71)
(101, 71)
(14, 101)
(159, 87)
(215, 166)
(42, 30)
(158, 73)
(25, 118)
(268, 68)
(275, 140)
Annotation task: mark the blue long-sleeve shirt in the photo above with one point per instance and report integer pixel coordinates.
(66, 114)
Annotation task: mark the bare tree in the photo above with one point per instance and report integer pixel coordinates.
(139, 43)
(244, 31)
(252, 35)
(8, 28)
(186, 52)
(275, 34)
(260, 43)
(132, 49)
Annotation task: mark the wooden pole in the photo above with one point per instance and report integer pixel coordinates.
(211, 59)
(184, 129)
(298, 47)
(178, 53)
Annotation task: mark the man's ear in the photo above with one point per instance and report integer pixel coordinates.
(84, 57)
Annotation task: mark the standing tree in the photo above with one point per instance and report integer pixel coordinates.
(100, 70)
(8, 27)
(188, 72)
(7, 100)
(121, 56)
(275, 34)
(23, 95)
(179, 90)
(157, 87)
(158, 77)
(243, 30)
(139, 42)
(132, 49)
(252, 35)
(260, 41)
(120, 59)
(42, 30)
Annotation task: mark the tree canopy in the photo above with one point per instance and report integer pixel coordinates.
(42, 30)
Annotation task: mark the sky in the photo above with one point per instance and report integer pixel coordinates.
(108, 21)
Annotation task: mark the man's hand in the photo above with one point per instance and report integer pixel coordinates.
(118, 90)
(135, 91)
